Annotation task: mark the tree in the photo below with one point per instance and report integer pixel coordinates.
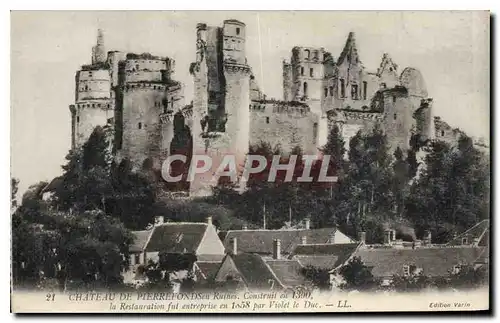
(91, 181)
(466, 276)
(410, 283)
(453, 188)
(14, 186)
(357, 276)
(319, 277)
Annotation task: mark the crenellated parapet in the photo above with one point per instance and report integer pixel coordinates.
(187, 112)
(159, 86)
(361, 115)
(167, 117)
(235, 68)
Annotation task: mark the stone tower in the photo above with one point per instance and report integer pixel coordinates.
(99, 50)
(93, 104)
(221, 117)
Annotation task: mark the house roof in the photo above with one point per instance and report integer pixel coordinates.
(176, 237)
(435, 261)
(288, 272)
(253, 269)
(261, 241)
(208, 268)
(324, 256)
(479, 231)
(57, 181)
(140, 240)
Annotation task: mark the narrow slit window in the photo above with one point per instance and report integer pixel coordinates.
(342, 88)
(139, 125)
(267, 120)
(365, 86)
(311, 72)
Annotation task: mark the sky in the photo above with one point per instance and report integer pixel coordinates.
(451, 49)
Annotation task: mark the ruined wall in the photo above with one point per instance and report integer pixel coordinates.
(424, 117)
(86, 116)
(142, 105)
(350, 122)
(287, 81)
(444, 132)
(398, 118)
(283, 124)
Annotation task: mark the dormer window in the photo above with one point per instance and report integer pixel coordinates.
(465, 240)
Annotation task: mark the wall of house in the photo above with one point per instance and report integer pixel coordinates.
(210, 244)
(227, 269)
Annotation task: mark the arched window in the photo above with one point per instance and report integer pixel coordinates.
(139, 125)
(342, 88)
(442, 133)
(78, 119)
(305, 89)
(267, 120)
(308, 53)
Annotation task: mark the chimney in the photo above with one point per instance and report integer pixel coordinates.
(159, 220)
(304, 240)
(307, 223)
(277, 249)
(362, 237)
(427, 237)
(387, 237)
(235, 245)
(209, 220)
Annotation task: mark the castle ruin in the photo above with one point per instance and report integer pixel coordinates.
(138, 95)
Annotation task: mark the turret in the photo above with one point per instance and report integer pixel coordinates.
(99, 50)
(234, 42)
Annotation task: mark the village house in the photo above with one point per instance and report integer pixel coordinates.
(256, 272)
(197, 241)
(261, 241)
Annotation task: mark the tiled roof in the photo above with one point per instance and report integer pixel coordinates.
(210, 258)
(327, 262)
(208, 268)
(140, 240)
(435, 261)
(254, 270)
(176, 237)
(288, 272)
(325, 256)
(479, 231)
(261, 241)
